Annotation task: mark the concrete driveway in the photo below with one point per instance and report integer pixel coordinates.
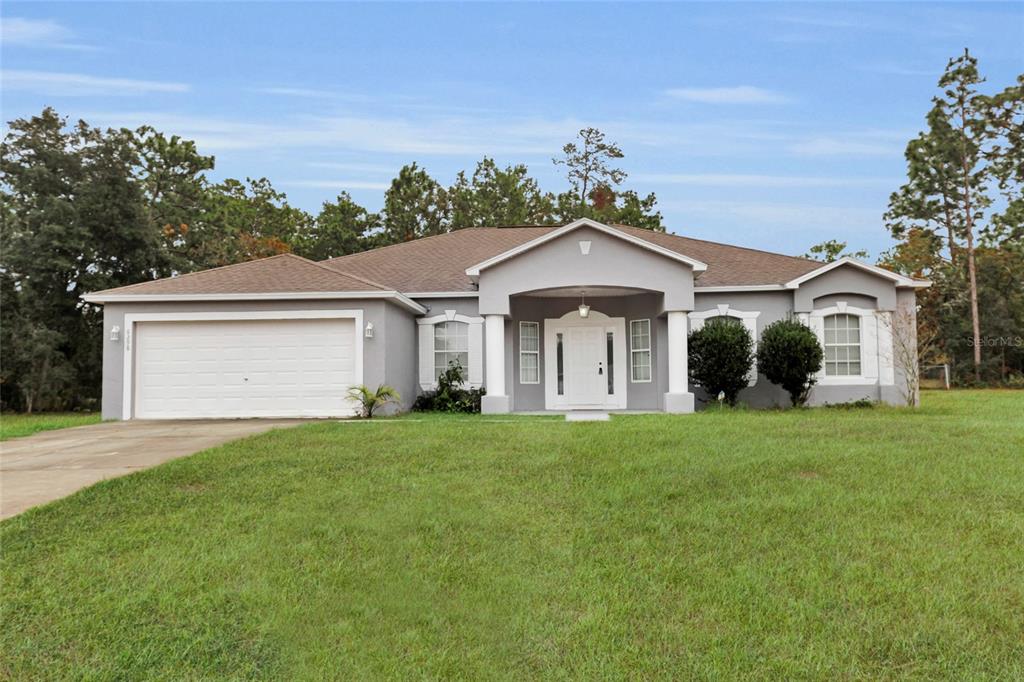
(52, 464)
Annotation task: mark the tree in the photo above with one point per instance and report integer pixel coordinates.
(789, 355)
(414, 206)
(948, 176)
(1006, 158)
(498, 197)
(342, 227)
(243, 221)
(832, 250)
(720, 355)
(588, 163)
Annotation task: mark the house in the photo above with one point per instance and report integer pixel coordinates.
(583, 316)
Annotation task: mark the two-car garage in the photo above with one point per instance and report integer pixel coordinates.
(256, 365)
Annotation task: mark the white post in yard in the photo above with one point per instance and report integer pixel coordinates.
(495, 401)
(678, 398)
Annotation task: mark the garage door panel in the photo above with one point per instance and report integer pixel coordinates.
(245, 368)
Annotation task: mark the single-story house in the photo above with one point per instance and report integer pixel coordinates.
(582, 316)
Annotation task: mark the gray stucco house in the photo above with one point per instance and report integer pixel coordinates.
(583, 316)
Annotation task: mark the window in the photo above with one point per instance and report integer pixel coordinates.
(610, 356)
(640, 349)
(451, 344)
(560, 365)
(529, 352)
(842, 345)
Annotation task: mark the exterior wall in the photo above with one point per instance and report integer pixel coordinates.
(400, 359)
(610, 262)
(639, 396)
(380, 313)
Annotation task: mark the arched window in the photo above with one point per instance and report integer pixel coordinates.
(842, 345)
(451, 344)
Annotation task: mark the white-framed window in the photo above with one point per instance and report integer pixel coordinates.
(640, 350)
(529, 352)
(451, 344)
(842, 345)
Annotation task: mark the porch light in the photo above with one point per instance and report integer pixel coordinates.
(369, 330)
(584, 308)
(115, 333)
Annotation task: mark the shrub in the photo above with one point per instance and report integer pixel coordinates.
(370, 401)
(790, 356)
(721, 353)
(450, 396)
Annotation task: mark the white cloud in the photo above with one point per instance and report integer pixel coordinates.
(784, 217)
(848, 146)
(755, 180)
(336, 184)
(38, 33)
(79, 84)
(741, 94)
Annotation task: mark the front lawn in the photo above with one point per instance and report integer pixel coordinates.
(821, 544)
(13, 425)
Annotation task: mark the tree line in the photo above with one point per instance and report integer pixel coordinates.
(85, 209)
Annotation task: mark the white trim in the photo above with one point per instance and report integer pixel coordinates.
(443, 294)
(900, 280)
(536, 325)
(649, 350)
(697, 289)
(270, 296)
(474, 271)
(872, 346)
(130, 319)
(553, 327)
(475, 371)
(747, 317)
(457, 317)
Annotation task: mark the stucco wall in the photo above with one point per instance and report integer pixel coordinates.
(846, 279)
(375, 350)
(610, 262)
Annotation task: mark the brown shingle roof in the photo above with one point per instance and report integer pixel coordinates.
(286, 273)
(439, 263)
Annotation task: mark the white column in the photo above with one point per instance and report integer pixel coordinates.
(495, 400)
(678, 398)
(677, 352)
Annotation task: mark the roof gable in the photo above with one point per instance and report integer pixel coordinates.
(898, 279)
(474, 270)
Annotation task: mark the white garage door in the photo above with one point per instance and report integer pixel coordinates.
(244, 368)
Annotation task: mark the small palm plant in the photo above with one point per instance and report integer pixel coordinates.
(370, 400)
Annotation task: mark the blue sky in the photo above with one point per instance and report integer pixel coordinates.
(769, 125)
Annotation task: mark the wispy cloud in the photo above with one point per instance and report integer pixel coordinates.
(21, 32)
(755, 180)
(785, 217)
(80, 84)
(740, 94)
(336, 184)
(312, 93)
(849, 146)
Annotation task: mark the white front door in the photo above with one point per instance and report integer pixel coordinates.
(585, 362)
(587, 359)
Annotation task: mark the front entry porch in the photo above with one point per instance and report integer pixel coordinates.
(625, 354)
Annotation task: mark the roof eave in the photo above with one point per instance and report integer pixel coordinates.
(100, 298)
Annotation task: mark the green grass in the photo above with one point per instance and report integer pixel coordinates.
(14, 425)
(816, 544)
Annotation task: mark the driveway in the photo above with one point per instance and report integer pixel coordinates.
(49, 465)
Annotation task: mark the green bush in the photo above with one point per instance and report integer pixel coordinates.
(790, 355)
(721, 353)
(370, 400)
(450, 396)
